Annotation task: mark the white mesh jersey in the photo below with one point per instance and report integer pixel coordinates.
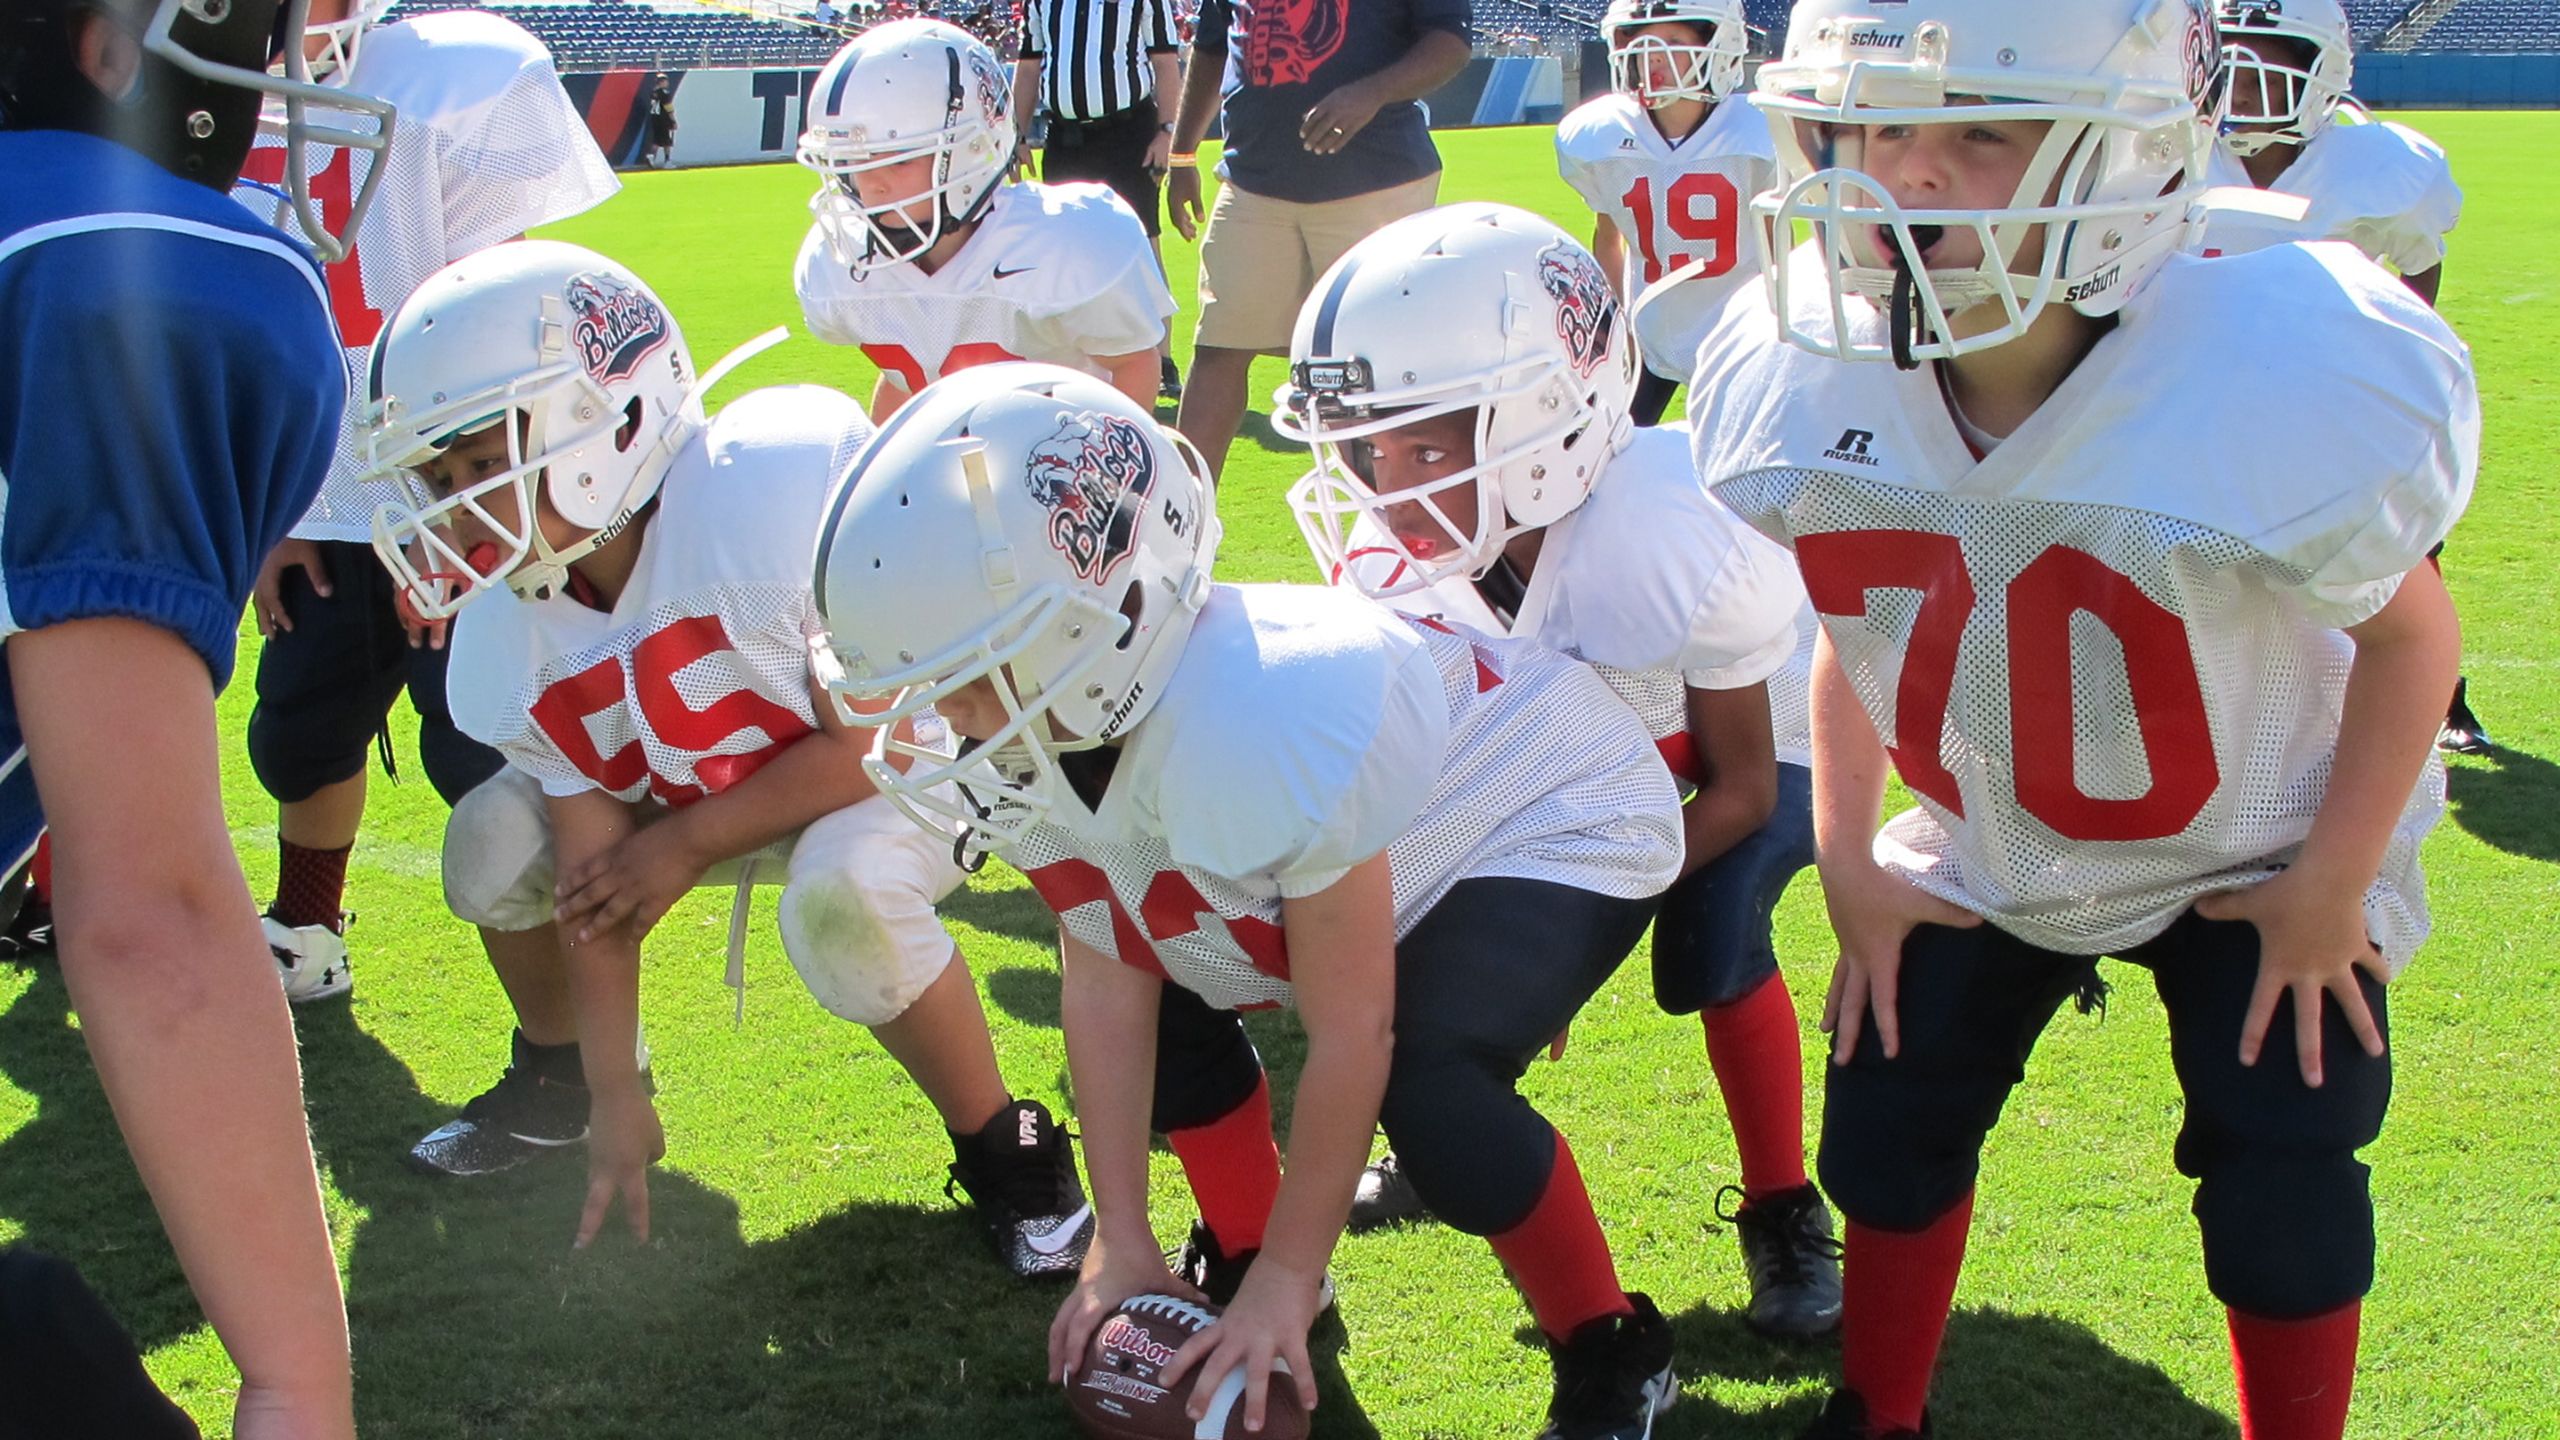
(2381, 187)
(488, 146)
(1306, 730)
(700, 673)
(1057, 273)
(2108, 657)
(1672, 204)
(1660, 588)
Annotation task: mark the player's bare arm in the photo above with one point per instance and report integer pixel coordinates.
(624, 1137)
(641, 877)
(177, 1004)
(1342, 964)
(1738, 765)
(1610, 249)
(2310, 919)
(1134, 374)
(1872, 910)
(1108, 1011)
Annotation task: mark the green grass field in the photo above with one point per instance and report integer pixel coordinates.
(809, 1279)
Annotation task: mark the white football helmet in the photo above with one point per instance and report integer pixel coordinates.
(587, 370)
(1708, 72)
(2286, 104)
(1030, 525)
(341, 37)
(898, 91)
(2130, 88)
(1475, 306)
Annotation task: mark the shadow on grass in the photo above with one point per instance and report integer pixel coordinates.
(2508, 799)
(2001, 1376)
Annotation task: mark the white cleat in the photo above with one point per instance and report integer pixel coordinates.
(310, 959)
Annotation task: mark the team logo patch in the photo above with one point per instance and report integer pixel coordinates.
(615, 326)
(1095, 475)
(2203, 58)
(1286, 40)
(1586, 310)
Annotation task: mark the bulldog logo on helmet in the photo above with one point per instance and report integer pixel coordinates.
(614, 325)
(2203, 56)
(1586, 310)
(1095, 475)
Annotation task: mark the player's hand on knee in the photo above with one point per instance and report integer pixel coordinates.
(635, 883)
(266, 595)
(1873, 911)
(624, 1139)
(2311, 941)
(1267, 1324)
(1112, 1274)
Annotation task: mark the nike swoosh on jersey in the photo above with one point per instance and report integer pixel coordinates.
(1002, 272)
(1059, 1238)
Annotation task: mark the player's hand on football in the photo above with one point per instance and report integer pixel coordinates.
(1329, 126)
(1182, 200)
(266, 595)
(2311, 941)
(1266, 1325)
(624, 1139)
(1874, 911)
(1112, 1274)
(633, 883)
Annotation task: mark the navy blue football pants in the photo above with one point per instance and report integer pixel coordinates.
(2282, 1200)
(1711, 943)
(326, 687)
(1483, 984)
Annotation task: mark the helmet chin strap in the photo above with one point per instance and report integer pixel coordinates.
(1907, 321)
(550, 567)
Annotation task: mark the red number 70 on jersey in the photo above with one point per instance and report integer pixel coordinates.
(1841, 568)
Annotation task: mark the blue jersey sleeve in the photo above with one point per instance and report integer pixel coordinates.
(169, 402)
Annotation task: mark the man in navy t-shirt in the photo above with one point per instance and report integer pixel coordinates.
(169, 399)
(1324, 144)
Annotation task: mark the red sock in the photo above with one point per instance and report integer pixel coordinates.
(1898, 1289)
(310, 885)
(1758, 1056)
(2296, 1376)
(40, 870)
(1559, 1258)
(1234, 1170)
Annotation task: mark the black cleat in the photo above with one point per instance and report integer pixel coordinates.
(1844, 1417)
(1386, 1197)
(1613, 1376)
(1793, 1261)
(1218, 1275)
(2462, 733)
(537, 1108)
(1019, 1172)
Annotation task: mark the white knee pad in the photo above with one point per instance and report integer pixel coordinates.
(857, 913)
(497, 854)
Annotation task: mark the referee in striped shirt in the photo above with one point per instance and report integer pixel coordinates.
(1094, 69)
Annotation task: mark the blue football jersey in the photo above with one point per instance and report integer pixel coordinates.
(170, 390)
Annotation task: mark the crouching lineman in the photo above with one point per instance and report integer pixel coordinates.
(2162, 678)
(1495, 479)
(642, 659)
(1434, 844)
(928, 255)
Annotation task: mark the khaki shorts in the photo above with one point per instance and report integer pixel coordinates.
(1260, 257)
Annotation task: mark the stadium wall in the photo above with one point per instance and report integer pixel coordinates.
(743, 116)
(2455, 81)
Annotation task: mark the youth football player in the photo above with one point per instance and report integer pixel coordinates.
(491, 146)
(1462, 376)
(1669, 169)
(168, 401)
(1435, 844)
(2175, 713)
(931, 257)
(636, 643)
